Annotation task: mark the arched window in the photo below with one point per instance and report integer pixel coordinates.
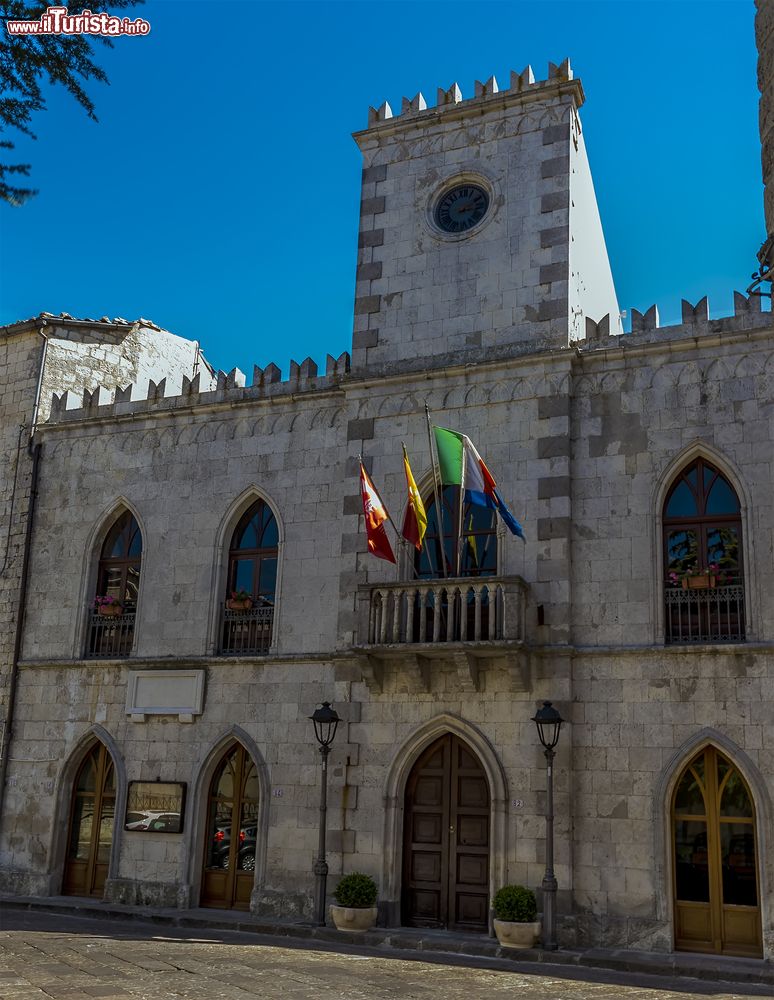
(251, 583)
(703, 557)
(476, 556)
(111, 630)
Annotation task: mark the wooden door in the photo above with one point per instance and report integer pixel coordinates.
(446, 840)
(232, 832)
(716, 893)
(90, 830)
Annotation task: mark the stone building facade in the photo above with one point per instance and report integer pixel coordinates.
(508, 328)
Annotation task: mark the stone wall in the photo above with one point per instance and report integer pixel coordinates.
(764, 37)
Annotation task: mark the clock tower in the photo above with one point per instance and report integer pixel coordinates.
(479, 234)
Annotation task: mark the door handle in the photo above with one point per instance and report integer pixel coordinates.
(451, 829)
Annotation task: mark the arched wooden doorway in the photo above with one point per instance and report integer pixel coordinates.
(90, 830)
(716, 886)
(446, 839)
(232, 832)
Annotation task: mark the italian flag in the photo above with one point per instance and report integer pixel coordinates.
(461, 465)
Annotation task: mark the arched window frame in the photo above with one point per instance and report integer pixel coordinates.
(128, 535)
(410, 558)
(220, 573)
(91, 575)
(700, 449)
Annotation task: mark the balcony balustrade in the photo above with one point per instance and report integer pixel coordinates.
(710, 614)
(110, 636)
(247, 633)
(464, 620)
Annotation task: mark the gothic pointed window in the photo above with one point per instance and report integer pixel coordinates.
(704, 584)
(251, 583)
(111, 631)
(471, 551)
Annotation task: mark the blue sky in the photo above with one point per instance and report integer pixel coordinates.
(218, 194)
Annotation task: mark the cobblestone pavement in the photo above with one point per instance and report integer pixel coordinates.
(46, 956)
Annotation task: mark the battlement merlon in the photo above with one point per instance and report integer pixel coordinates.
(85, 354)
(229, 388)
(523, 91)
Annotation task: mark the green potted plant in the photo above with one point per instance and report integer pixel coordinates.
(240, 600)
(356, 898)
(107, 606)
(516, 924)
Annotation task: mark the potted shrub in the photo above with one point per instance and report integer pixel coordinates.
(240, 600)
(108, 607)
(356, 898)
(516, 924)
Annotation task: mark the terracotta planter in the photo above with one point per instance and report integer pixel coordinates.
(354, 919)
(245, 605)
(512, 935)
(110, 610)
(702, 582)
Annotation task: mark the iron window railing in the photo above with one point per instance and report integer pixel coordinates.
(711, 614)
(110, 635)
(246, 633)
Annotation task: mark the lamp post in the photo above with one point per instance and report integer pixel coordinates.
(325, 722)
(549, 722)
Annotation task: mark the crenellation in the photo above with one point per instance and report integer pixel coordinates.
(744, 305)
(451, 96)
(695, 314)
(561, 72)
(156, 390)
(645, 321)
(413, 104)
(235, 379)
(140, 398)
(487, 88)
(380, 114)
(519, 82)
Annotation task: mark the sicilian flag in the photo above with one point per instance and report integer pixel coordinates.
(415, 520)
(375, 516)
(461, 465)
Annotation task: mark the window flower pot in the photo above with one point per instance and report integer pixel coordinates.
(110, 610)
(517, 935)
(702, 582)
(354, 918)
(234, 605)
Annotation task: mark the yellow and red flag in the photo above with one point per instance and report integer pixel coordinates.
(415, 520)
(375, 516)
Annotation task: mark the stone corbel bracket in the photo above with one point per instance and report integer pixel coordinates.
(469, 661)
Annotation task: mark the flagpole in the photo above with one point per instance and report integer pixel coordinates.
(460, 519)
(429, 557)
(436, 477)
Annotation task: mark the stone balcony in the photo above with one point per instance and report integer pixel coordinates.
(468, 623)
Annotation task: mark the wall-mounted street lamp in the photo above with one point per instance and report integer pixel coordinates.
(326, 722)
(549, 722)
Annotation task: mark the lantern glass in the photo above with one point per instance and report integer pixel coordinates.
(549, 723)
(326, 722)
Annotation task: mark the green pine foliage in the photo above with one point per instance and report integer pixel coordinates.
(29, 61)
(516, 904)
(356, 890)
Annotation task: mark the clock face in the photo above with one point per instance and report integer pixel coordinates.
(461, 208)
